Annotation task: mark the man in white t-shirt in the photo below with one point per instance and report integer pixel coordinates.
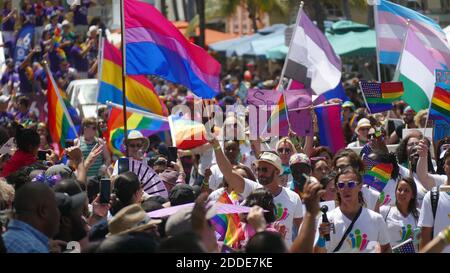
(431, 226)
(289, 212)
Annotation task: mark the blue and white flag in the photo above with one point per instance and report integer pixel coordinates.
(24, 43)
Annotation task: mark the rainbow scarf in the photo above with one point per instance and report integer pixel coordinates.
(136, 120)
(228, 226)
(60, 123)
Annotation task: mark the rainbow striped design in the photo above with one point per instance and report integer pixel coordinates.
(154, 46)
(140, 91)
(146, 123)
(228, 226)
(440, 104)
(186, 133)
(60, 123)
(392, 91)
(279, 113)
(330, 129)
(378, 176)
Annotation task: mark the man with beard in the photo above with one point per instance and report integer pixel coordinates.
(397, 135)
(289, 214)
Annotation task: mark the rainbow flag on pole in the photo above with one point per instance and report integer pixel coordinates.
(147, 123)
(228, 226)
(154, 46)
(379, 96)
(186, 133)
(140, 91)
(377, 174)
(60, 123)
(440, 104)
(279, 115)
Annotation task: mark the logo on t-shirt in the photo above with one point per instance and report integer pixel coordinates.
(281, 213)
(358, 240)
(405, 233)
(384, 198)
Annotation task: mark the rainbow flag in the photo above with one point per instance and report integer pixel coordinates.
(379, 96)
(60, 123)
(154, 46)
(377, 174)
(186, 133)
(228, 226)
(147, 123)
(440, 104)
(140, 92)
(279, 114)
(330, 128)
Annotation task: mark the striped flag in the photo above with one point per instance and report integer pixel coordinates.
(140, 91)
(377, 173)
(440, 105)
(147, 123)
(379, 96)
(391, 26)
(405, 247)
(330, 128)
(278, 116)
(60, 123)
(416, 70)
(186, 133)
(154, 46)
(312, 60)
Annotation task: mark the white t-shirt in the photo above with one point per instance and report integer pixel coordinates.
(442, 220)
(370, 197)
(214, 196)
(116, 166)
(368, 230)
(288, 207)
(216, 177)
(399, 227)
(421, 191)
(387, 196)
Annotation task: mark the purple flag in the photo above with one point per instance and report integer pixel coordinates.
(298, 103)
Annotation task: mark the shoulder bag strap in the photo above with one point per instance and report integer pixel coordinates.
(348, 230)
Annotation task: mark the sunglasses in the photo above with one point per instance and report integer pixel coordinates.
(261, 169)
(135, 145)
(284, 151)
(350, 184)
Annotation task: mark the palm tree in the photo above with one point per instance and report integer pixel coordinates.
(254, 8)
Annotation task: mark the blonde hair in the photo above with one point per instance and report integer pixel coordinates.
(7, 193)
(288, 141)
(419, 116)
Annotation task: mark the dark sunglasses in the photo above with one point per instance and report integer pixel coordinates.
(284, 150)
(135, 145)
(261, 169)
(350, 184)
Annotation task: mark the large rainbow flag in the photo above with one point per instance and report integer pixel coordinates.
(140, 92)
(60, 123)
(440, 104)
(186, 133)
(154, 46)
(228, 226)
(147, 123)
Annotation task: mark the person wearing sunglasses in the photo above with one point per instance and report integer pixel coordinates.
(269, 168)
(285, 148)
(87, 141)
(362, 133)
(352, 227)
(137, 145)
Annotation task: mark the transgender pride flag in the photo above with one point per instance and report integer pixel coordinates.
(154, 46)
(391, 25)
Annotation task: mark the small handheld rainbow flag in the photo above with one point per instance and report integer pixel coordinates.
(379, 96)
(228, 226)
(440, 105)
(377, 174)
(279, 113)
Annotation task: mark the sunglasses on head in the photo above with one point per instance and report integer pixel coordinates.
(350, 184)
(284, 151)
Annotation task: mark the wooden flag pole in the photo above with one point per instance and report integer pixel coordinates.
(124, 96)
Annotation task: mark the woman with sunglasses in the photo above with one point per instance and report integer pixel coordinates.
(352, 228)
(402, 218)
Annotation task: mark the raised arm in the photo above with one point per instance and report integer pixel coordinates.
(234, 180)
(422, 167)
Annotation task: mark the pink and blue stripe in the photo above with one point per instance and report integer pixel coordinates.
(330, 129)
(154, 46)
(391, 29)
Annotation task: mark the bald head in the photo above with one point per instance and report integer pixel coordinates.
(35, 204)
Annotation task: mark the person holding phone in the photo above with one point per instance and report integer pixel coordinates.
(87, 141)
(46, 142)
(137, 145)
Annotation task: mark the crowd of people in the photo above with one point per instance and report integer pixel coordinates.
(50, 198)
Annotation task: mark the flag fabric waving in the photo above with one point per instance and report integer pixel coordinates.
(60, 123)
(391, 27)
(416, 70)
(311, 59)
(140, 91)
(405, 247)
(379, 96)
(186, 133)
(154, 46)
(330, 129)
(146, 123)
(278, 116)
(440, 105)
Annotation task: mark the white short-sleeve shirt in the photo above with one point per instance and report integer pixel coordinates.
(442, 220)
(216, 177)
(400, 228)
(368, 231)
(370, 197)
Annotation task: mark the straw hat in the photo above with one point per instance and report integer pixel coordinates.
(135, 134)
(130, 219)
(363, 123)
(272, 159)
